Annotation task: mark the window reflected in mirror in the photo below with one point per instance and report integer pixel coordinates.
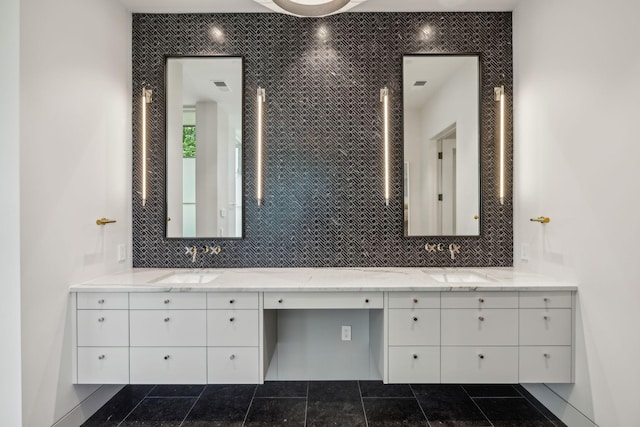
(204, 147)
(441, 145)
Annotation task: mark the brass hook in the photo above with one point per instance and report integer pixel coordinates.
(541, 219)
(103, 221)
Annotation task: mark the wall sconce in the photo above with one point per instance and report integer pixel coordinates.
(147, 95)
(499, 97)
(260, 102)
(384, 98)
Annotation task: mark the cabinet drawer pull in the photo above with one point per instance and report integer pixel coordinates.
(546, 300)
(481, 318)
(280, 301)
(167, 357)
(101, 319)
(415, 356)
(481, 300)
(231, 319)
(366, 300)
(415, 300)
(231, 301)
(233, 356)
(166, 319)
(167, 301)
(415, 319)
(546, 355)
(481, 356)
(545, 317)
(100, 301)
(101, 357)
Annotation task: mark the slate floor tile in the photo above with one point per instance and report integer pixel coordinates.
(172, 390)
(269, 412)
(491, 390)
(378, 389)
(221, 405)
(282, 389)
(512, 412)
(114, 411)
(334, 403)
(448, 405)
(393, 412)
(159, 412)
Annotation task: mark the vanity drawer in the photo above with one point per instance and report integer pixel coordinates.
(233, 365)
(168, 300)
(479, 364)
(103, 328)
(232, 300)
(178, 328)
(320, 300)
(170, 365)
(479, 300)
(414, 364)
(103, 365)
(480, 327)
(232, 327)
(545, 327)
(545, 364)
(414, 300)
(103, 300)
(414, 327)
(545, 299)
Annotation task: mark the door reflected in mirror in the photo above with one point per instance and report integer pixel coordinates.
(204, 147)
(441, 145)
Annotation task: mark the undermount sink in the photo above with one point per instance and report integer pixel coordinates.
(459, 278)
(189, 277)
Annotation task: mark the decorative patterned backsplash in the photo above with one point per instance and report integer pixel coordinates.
(323, 163)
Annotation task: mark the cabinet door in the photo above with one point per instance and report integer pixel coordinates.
(103, 328)
(168, 365)
(545, 326)
(479, 364)
(545, 364)
(103, 365)
(480, 327)
(414, 327)
(233, 365)
(232, 327)
(414, 364)
(161, 328)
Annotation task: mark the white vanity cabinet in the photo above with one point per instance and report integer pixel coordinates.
(168, 338)
(398, 333)
(102, 350)
(233, 338)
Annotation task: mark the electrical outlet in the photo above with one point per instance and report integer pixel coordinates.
(346, 333)
(524, 252)
(122, 252)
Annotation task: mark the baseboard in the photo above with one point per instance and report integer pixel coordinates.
(83, 411)
(566, 412)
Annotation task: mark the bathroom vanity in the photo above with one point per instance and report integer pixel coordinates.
(399, 325)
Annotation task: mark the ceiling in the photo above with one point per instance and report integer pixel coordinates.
(250, 6)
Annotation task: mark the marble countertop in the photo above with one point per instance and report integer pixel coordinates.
(350, 279)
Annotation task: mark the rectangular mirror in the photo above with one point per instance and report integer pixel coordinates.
(204, 147)
(441, 101)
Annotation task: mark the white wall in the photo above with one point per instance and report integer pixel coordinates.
(10, 383)
(75, 167)
(577, 105)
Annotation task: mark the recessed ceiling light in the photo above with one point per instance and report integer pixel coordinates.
(310, 8)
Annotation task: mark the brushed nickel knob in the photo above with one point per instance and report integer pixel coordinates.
(546, 355)
(231, 301)
(101, 319)
(481, 356)
(233, 356)
(546, 300)
(280, 300)
(481, 318)
(166, 319)
(167, 301)
(367, 300)
(167, 357)
(100, 301)
(415, 319)
(415, 356)
(546, 317)
(101, 357)
(415, 300)
(231, 319)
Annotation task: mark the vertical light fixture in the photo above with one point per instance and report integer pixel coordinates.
(146, 99)
(260, 102)
(499, 97)
(384, 98)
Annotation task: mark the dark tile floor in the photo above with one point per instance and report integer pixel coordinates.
(323, 403)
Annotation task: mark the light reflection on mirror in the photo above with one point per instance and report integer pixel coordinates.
(204, 147)
(441, 145)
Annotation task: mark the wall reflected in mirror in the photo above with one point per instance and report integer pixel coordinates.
(204, 147)
(441, 145)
